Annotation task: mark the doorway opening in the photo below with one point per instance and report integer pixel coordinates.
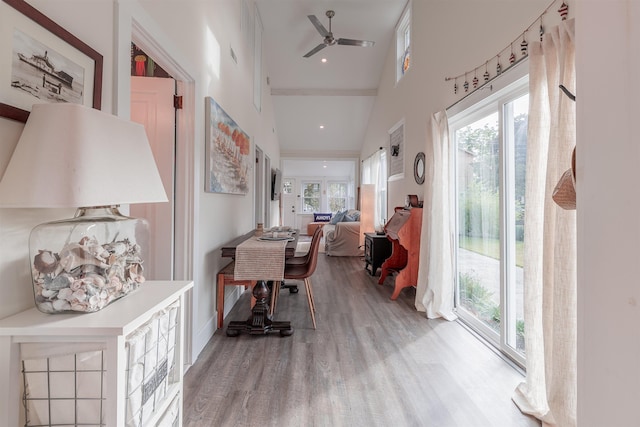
(152, 105)
(184, 197)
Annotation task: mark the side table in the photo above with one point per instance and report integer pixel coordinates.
(377, 248)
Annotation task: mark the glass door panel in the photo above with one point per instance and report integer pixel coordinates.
(491, 153)
(479, 251)
(515, 131)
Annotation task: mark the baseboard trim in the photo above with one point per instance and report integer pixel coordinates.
(204, 335)
(206, 332)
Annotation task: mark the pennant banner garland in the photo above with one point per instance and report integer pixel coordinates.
(513, 59)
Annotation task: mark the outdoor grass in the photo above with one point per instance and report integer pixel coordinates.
(490, 247)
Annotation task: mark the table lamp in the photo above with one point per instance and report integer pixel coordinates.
(70, 155)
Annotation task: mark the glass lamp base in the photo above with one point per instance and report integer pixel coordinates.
(85, 263)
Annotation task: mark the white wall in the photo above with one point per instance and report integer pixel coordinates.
(202, 34)
(608, 154)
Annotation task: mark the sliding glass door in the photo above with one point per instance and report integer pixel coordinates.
(491, 143)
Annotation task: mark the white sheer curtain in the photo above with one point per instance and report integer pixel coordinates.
(435, 288)
(549, 391)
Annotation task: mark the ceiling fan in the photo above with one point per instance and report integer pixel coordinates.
(328, 36)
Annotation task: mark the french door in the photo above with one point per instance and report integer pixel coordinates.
(491, 149)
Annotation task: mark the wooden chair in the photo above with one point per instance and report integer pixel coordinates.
(299, 260)
(304, 271)
(303, 259)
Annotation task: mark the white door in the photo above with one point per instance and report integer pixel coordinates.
(289, 202)
(152, 106)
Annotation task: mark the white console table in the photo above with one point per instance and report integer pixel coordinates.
(109, 326)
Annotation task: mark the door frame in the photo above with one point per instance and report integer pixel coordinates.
(267, 191)
(134, 25)
(258, 187)
(459, 116)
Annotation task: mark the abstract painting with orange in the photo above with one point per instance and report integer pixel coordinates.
(227, 153)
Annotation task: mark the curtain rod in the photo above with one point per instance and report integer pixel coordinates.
(490, 86)
(370, 155)
(563, 11)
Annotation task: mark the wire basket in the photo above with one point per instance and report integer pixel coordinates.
(64, 384)
(150, 353)
(63, 390)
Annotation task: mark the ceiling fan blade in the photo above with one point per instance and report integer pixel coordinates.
(351, 42)
(316, 23)
(315, 50)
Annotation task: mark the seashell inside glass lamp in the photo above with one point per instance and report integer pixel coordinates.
(46, 262)
(94, 265)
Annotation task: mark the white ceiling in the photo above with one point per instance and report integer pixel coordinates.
(338, 94)
(319, 168)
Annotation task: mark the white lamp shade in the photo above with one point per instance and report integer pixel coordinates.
(70, 155)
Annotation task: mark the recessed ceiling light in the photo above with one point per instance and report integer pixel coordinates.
(321, 126)
(323, 60)
(324, 166)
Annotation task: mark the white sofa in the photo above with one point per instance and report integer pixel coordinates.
(342, 239)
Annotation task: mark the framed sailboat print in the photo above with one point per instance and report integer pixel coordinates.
(43, 63)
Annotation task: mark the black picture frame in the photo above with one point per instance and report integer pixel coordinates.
(49, 32)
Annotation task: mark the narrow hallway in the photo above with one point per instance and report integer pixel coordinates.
(372, 361)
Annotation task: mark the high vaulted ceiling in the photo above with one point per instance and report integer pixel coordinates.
(338, 94)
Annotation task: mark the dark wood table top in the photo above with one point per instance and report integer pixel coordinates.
(229, 249)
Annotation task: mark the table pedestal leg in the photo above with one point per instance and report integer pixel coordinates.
(260, 322)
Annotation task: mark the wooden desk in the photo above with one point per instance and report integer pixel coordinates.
(403, 230)
(260, 321)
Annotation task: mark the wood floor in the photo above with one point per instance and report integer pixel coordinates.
(371, 362)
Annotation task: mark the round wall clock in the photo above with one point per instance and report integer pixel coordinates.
(419, 168)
